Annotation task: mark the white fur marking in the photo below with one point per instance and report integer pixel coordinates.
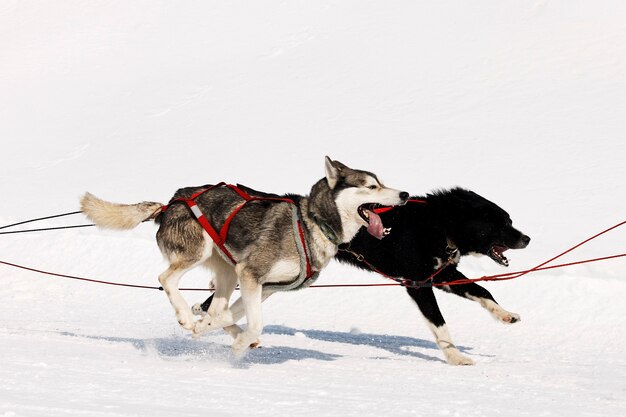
(444, 341)
(283, 270)
(349, 199)
(498, 312)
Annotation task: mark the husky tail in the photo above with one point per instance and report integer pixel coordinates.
(117, 216)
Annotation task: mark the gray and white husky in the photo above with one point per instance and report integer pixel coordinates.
(261, 238)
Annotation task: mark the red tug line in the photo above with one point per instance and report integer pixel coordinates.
(399, 281)
(499, 277)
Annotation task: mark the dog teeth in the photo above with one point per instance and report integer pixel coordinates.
(386, 231)
(499, 257)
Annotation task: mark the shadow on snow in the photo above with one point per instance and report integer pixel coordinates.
(185, 347)
(398, 345)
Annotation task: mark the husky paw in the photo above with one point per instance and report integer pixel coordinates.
(197, 310)
(207, 322)
(200, 327)
(185, 319)
(240, 348)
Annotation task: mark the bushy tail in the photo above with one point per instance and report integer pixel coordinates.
(117, 216)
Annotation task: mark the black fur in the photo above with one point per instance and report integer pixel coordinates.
(419, 239)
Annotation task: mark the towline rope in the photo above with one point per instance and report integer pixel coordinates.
(44, 229)
(399, 281)
(395, 284)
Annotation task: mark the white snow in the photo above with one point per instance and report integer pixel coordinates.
(523, 102)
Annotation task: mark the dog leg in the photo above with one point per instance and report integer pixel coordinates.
(444, 341)
(225, 281)
(252, 297)
(425, 300)
(475, 292)
(237, 312)
(169, 281)
(225, 319)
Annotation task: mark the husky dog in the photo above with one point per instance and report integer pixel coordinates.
(261, 239)
(443, 227)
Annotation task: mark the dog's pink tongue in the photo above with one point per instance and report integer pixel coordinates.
(375, 226)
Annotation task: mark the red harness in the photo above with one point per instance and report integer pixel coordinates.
(220, 237)
(388, 208)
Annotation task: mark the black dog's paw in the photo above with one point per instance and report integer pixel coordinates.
(197, 310)
(510, 318)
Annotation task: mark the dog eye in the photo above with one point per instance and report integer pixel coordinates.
(373, 187)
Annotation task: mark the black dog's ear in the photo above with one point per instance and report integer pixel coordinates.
(334, 171)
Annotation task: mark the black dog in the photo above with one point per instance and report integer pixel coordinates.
(425, 235)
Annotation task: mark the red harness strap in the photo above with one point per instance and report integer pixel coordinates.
(247, 198)
(220, 237)
(388, 208)
(191, 203)
(309, 272)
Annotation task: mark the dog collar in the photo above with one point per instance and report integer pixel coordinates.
(451, 250)
(328, 232)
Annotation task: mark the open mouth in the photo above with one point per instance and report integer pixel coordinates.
(375, 225)
(495, 253)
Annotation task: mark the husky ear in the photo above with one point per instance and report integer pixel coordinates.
(334, 170)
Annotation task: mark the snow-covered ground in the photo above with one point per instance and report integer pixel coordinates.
(523, 102)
